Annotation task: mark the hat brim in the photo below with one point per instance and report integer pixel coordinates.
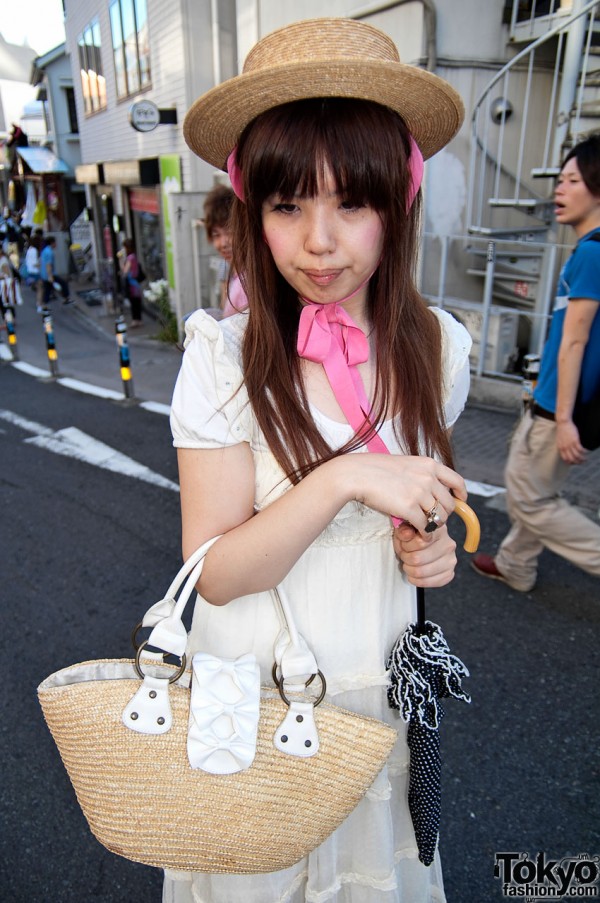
(432, 110)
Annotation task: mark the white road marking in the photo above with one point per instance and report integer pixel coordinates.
(75, 444)
(487, 490)
(90, 389)
(80, 386)
(156, 407)
(31, 370)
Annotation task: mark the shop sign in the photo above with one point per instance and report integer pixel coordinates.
(170, 182)
(144, 116)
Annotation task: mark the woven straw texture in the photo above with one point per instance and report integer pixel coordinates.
(329, 57)
(144, 802)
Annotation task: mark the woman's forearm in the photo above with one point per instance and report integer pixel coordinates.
(258, 554)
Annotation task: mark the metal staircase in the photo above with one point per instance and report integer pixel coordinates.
(541, 103)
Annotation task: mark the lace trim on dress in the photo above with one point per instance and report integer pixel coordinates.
(384, 885)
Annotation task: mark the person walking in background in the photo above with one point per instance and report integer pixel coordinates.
(276, 409)
(131, 273)
(10, 289)
(546, 443)
(50, 279)
(217, 214)
(31, 269)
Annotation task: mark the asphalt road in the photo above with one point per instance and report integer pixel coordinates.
(86, 551)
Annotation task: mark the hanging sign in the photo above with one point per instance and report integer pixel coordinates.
(144, 116)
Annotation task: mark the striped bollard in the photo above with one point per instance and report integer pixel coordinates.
(50, 343)
(9, 320)
(124, 360)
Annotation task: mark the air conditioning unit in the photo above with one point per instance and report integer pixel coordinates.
(502, 335)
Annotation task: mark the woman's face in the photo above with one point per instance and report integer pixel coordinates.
(324, 247)
(574, 204)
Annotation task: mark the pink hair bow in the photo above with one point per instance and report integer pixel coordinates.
(235, 174)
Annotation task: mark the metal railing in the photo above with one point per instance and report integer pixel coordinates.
(505, 310)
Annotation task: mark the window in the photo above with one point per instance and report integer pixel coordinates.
(72, 110)
(90, 66)
(131, 50)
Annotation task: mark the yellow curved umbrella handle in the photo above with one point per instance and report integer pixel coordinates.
(471, 522)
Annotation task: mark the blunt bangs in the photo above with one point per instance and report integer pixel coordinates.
(363, 145)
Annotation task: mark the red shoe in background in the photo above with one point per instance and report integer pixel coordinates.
(486, 566)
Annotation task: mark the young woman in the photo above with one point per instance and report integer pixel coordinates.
(133, 289)
(304, 424)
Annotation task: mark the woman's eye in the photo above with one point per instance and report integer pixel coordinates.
(351, 205)
(285, 208)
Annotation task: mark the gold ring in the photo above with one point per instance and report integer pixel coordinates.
(433, 519)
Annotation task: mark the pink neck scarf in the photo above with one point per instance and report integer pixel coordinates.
(329, 336)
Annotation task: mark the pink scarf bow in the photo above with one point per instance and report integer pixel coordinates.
(329, 336)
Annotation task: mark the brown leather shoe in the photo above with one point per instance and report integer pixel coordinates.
(486, 566)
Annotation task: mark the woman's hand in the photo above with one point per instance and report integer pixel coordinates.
(403, 486)
(426, 561)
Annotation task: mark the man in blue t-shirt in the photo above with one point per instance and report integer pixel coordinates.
(48, 274)
(547, 442)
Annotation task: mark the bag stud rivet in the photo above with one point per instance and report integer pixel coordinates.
(160, 720)
(134, 716)
(308, 743)
(152, 694)
(284, 738)
(300, 718)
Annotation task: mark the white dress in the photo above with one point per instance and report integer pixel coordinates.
(350, 602)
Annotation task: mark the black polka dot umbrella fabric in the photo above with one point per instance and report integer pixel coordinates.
(423, 671)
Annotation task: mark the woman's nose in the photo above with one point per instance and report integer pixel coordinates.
(320, 233)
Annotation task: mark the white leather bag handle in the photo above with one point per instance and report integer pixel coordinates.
(292, 655)
(149, 710)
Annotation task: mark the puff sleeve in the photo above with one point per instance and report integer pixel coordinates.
(210, 407)
(456, 345)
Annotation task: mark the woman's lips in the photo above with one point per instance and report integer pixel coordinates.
(322, 277)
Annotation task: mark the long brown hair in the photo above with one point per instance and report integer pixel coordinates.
(365, 146)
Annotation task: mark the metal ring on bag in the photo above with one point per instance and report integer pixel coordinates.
(321, 695)
(141, 674)
(134, 634)
(277, 680)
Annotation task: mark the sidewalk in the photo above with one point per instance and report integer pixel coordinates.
(480, 437)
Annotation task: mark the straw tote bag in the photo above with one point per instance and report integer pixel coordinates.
(261, 795)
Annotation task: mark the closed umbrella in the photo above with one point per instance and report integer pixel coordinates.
(422, 672)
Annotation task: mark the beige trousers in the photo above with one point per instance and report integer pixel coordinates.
(534, 476)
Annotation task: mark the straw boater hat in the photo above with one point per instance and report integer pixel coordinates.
(323, 58)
